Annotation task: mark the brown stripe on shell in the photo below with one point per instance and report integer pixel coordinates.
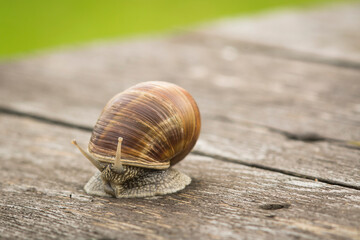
(158, 121)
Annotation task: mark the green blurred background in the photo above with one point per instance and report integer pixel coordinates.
(30, 25)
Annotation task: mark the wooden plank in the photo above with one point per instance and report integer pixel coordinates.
(306, 32)
(293, 96)
(257, 146)
(246, 98)
(42, 176)
(288, 95)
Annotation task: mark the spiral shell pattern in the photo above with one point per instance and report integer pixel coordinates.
(158, 121)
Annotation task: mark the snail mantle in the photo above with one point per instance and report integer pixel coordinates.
(140, 134)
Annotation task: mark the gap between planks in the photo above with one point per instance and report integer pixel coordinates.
(8, 111)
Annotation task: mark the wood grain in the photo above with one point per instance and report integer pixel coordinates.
(290, 95)
(42, 197)
(278, 108)
(252, 104)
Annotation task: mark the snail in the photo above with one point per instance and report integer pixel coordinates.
(140, 134)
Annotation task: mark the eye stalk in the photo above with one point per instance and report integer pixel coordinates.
(92, 159)
(118, 167)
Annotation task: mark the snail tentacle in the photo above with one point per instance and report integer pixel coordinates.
(92, 159)
(118, 167)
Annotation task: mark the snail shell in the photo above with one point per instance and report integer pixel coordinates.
(158, 121)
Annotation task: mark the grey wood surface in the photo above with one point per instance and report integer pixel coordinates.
(259, 101)
(329, 34)
(277, 115)
(42, 197)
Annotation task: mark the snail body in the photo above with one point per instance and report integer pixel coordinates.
(140, 134)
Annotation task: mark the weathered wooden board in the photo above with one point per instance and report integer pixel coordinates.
(42, 176)
(328, 33)
(258, 147)
(258, 95)
(248, 101)
(279, 93)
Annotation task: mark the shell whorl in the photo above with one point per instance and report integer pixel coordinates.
(158, 121)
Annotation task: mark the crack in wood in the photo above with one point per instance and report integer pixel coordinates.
(296, 136)
(274, 206)
(286, 172)
(8, 111)
(309, 138)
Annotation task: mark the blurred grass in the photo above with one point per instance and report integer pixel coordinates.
(28, 25)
